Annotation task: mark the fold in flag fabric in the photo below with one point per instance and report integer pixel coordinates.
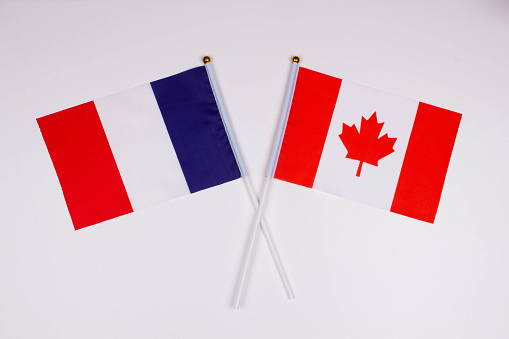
(134, 149)
(367, 145)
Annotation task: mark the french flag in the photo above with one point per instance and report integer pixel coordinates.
(367, 145)
(134, 149)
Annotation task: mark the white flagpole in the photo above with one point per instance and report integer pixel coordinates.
(268, 179)
(247, 182)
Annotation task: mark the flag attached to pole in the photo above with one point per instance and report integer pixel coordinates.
(134, 149)
(366, 145)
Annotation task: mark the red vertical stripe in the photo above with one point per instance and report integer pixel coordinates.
(425, 164)
(311, 112)
(86, 169)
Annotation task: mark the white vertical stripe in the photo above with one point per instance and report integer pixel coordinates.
(336, 173)
(142, 147)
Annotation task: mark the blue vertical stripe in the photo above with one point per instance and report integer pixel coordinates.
(196, 130)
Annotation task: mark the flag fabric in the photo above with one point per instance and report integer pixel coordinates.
(134, 149)
(367, 145)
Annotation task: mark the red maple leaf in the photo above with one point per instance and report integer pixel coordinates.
(365, 145)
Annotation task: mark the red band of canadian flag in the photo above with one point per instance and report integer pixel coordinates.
(306, 130)
(426, 161)
(336, 126)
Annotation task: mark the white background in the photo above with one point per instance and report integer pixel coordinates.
(170, 271)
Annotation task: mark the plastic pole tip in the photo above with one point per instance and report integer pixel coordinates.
(296, 59)
(206, 59)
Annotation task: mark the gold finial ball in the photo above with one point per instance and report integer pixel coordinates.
(296, 59)
(206, 59)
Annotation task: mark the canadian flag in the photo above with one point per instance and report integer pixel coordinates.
(367, 145)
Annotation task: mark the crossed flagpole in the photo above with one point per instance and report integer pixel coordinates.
(425, 116)
(259, 205)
